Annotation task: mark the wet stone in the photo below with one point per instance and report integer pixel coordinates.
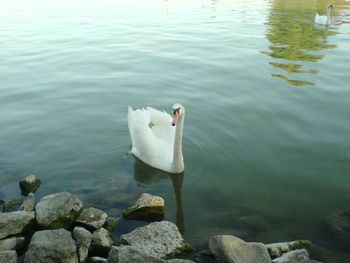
(147, 207)
(92, 218)
(8, 256)
(29, 184)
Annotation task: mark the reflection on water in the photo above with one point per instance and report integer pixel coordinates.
(146, 175)
(296, 41)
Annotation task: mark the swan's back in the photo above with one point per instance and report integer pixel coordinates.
(152, 136)
(321, 20)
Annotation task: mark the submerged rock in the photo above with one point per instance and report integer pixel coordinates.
(340, 227)
(126, 254)
(58, 210)
(147, 207)
(17, 222)
(29, 184)
(158, 239)
(277, 249)
(29, 203)
(92, 218)
(52, 246)
(12, 243)
(231, 249)
(83, 240)
(102, 241)
(12, 205)
(294, 256)
(8, 256)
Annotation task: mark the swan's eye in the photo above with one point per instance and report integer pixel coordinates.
(177, 110)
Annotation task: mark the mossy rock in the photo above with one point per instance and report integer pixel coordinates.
(155, 213)
(147, 207)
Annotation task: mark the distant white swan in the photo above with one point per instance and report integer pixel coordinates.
(324, 20)
(157, 137)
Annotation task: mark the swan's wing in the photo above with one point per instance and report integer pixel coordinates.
(145, 144)
(161, 125)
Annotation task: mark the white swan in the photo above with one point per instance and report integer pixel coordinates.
(324, 20)
(157, 137)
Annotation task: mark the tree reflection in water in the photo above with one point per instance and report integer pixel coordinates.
(296, 41)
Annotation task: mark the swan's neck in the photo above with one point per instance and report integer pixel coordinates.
(328, 15)
(178, 163)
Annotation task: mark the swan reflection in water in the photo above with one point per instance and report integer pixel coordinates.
(146, 175)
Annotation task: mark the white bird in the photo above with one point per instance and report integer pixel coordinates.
(324, 20)
(157, 137)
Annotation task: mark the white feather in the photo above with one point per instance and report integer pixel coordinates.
(153, 138)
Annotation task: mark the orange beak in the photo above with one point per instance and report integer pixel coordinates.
(175, 118)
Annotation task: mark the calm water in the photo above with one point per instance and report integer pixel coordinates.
(267, 148)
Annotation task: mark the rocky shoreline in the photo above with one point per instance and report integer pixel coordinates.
(59, 228)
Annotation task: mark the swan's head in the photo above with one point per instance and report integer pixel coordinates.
(178, 110)
(330, 6)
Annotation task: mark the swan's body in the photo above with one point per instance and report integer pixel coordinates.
(155, 141)
(324, 20)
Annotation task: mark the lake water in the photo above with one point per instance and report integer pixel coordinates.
(267, 97)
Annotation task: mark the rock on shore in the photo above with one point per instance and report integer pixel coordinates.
(57, 210)
(92, 218)
(126, 254)
(14, 223)
(52, 246)
(8, 256)
(158, 239)
(231, 249)
(102, 241)
(12, 243)
(83, 240)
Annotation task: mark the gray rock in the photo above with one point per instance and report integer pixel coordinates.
(158, 239)
(58, 210)
(231, 249)
(92, 218)
(17, 222)
(179, 260)
(29, 203)
(8, 256)
(12, 205)
(277, 249)
(294, 256)
(83, 240)
(12, 243)
(29, 184)
(52, 246)
(97, 260)
(147, 207)
(102, 241)
(126, 254)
